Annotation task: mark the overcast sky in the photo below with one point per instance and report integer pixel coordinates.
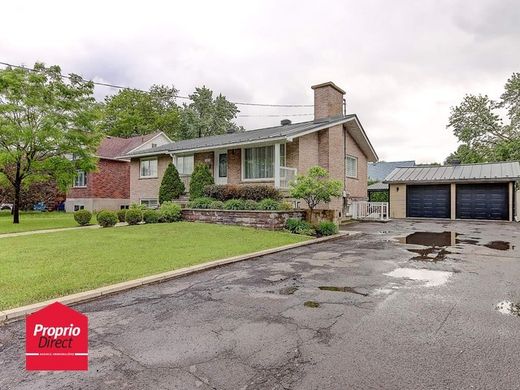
(402, 63)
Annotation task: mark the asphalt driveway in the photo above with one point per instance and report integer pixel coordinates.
(392, 314)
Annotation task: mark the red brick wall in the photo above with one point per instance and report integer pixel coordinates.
(202, 157)
(111, 180)
(234, 166)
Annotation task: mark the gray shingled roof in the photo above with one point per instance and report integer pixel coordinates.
(381, 169)
(378, 186)
(268, 133)
(501, 171)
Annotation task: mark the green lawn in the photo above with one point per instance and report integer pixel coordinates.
(43, 266)
(35, 221)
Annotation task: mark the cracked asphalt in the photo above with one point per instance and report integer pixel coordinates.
(245, 326)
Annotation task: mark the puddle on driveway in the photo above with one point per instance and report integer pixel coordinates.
(430, 239)
(438, 241)
(342, 289)
(431, 277)
(312, 304)
(500, 245)
(432, 254)
(288, 290)
(510, 308)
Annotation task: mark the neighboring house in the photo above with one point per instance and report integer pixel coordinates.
(467, 191)
(377, 171)
(271, 155)
(109, 186)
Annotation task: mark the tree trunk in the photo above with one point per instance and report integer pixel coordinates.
(17, 195)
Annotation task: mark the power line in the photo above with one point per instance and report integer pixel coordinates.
(177, 96)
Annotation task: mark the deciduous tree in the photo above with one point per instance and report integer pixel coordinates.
(479, 126)
(131, 112)
(47, 128)
(315, 187)
(206, 115)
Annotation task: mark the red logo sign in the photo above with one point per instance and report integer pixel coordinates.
(56, 338)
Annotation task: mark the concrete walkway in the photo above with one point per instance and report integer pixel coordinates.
(31, 232)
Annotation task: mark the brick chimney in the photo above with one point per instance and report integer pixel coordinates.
(328, 100)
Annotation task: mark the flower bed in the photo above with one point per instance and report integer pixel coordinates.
(264, 219)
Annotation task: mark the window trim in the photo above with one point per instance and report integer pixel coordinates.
(357, 167)
(85, 183)
(148, 159)
(177, 164)
(243, 165)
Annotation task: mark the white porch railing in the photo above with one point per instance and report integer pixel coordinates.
(369, 210)
(186, 181)
(286, 176)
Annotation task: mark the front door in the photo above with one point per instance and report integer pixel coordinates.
(221, 167)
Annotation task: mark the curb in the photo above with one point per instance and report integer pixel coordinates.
(20, 312)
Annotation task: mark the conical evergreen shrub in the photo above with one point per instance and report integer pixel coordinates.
(171, 186)
(200, 178)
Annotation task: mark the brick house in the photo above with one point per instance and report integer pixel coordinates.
(109, 186)
(273, 155)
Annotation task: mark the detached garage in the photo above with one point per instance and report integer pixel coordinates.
(465, 191)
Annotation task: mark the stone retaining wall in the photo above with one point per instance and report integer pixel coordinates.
(273, 220)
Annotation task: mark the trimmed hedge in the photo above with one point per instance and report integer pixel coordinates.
(225, 192)
(82, 217)
(107, 218)
(133, 216)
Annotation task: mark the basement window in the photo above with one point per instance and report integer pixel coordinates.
(150, 203)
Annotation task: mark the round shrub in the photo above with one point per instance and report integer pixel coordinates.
(201, 203)
(234, 204)
(151, 216)
(170, 212)
(269, 204)
(216, 204)
(121, 215)
(286, 206)
(133, 216)
(107, 218)
(326, 228)
(137, 206)
(250, 205)
(82, 217)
